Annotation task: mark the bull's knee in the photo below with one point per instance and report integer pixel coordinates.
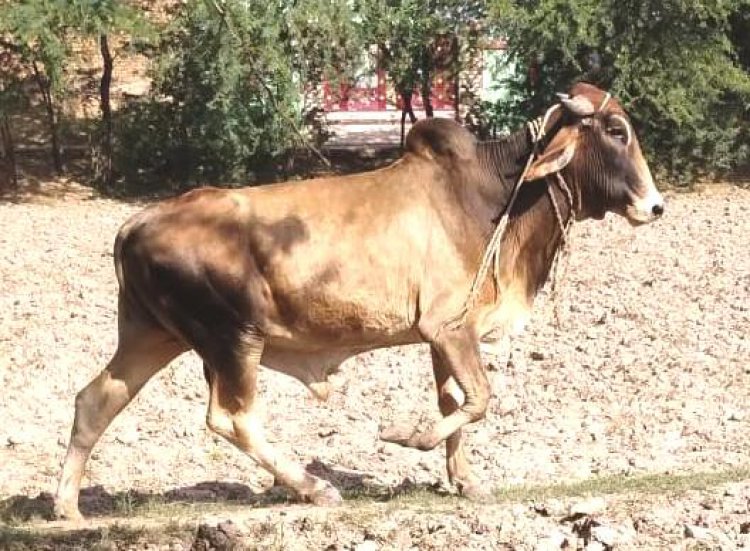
(476, 405)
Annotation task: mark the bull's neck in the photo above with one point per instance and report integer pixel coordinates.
(501, 163)
(533, 234)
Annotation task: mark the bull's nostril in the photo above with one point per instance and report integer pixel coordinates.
(657, 210)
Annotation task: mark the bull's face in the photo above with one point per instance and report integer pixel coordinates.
(597, 152)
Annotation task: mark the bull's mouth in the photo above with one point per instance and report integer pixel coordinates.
(636, 215)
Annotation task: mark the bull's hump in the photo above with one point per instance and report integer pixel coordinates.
(440, 138)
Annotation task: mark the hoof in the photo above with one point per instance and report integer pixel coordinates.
(476, 492)
(67, 511)
(398, 434)
(326, 497)
(409, 437)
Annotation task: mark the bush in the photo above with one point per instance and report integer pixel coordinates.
(227, 99)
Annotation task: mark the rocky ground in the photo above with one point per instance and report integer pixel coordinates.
(647, 372)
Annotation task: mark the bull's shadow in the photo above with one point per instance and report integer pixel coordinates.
(95, 501)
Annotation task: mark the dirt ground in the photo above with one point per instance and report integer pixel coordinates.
(647, 373)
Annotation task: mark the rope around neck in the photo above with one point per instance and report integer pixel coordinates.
(491, 256)
(562, 258)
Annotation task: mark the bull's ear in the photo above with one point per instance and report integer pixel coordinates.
(551, 161)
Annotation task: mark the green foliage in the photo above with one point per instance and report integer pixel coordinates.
(406, 31)
(95, 17)
(37, 30)
(671, 63)
(36, 35)
(229, 89)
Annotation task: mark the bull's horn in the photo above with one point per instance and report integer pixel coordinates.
(580, 106)
(562, 96)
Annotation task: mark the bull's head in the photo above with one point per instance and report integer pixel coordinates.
(597, 151)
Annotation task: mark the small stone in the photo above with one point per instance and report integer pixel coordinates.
(698, 532)
(708, 504)
(556, 540)
(550, 508)
(536, 355)
(736, 416)
(745, 528)
(127, 437)
(606, 535)
(19, 439)
(588, 507)
(367, 545)
(229, 528)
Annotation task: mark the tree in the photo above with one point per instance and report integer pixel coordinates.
(12, 99)
(37, 31)
(100, 19)
(671, 63)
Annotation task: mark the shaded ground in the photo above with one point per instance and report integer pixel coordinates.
(648, 373)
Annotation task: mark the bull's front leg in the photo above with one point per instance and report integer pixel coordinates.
(457, 353)
(459, 469)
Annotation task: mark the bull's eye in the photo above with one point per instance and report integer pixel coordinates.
(618, 133)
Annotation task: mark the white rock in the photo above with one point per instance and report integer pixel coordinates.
(592, 506)
(367, 545)
(556, 540)
(595, 546)
(127, 436)
(606, 535)
(698, 533)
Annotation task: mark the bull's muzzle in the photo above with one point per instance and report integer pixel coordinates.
(647, 208)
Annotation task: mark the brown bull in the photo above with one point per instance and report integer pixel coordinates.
(300, 276)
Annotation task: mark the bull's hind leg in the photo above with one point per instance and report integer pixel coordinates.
(235, 412)
(450, 399)
(142, 351)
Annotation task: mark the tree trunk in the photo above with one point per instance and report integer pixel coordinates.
(106, 107)
(427, 83)
(6, 137)
(44, 88)
(407, 109)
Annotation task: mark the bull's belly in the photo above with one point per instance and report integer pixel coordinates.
(324, 319)
(311, 363)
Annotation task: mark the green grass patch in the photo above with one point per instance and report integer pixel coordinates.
(624, 484)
